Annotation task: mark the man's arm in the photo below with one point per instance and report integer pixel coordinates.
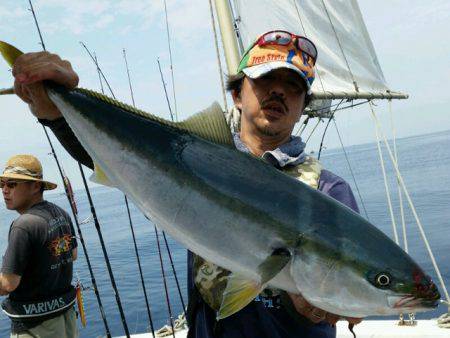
(74, 254)
(30, 70)
(8, 283)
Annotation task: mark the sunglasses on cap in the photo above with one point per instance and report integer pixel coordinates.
(10, 184)
(284, 38)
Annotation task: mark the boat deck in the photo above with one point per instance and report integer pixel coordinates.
(370, 329)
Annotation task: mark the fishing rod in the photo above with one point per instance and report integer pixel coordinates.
(129, 216)
(101, 76)
(69, 194)
(165, 89)
(156, 231)
(105, 254)
(164, 234)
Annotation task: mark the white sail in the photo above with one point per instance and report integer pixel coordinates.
(347, 65)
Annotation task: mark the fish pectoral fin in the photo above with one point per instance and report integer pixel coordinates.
(9, 53)
(100, 177)
(273, 264)
(209, 124)
(239, 292)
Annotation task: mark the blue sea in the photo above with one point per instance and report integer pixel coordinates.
(424, 161)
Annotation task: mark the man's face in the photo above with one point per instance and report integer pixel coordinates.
(18, 195)
(271, 104)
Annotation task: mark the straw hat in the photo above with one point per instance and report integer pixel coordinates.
(27, 168)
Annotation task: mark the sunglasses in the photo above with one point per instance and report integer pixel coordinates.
(284, 38)
(10, 184)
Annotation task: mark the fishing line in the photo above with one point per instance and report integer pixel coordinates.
(66, 184)
(171, 62)
(351, 170)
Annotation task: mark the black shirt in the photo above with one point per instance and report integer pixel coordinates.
(40, 244)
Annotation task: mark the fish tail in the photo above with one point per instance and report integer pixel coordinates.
(9, 53)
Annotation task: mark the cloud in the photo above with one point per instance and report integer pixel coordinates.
(76, 17)
(11, 17)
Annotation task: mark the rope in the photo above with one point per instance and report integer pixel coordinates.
(171, 63)
(219, 62)
(400, 195)
(66, 183)
(304, 32)
(340, 46)
(351, 170)
(180, 324)
(311, 112)
(386, 187)
(411, 205)
(444, 320)
(326, 128)
(314, 129)
(302, 128)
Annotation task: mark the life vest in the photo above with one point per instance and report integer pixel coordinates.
(43, 309)
(210, 279)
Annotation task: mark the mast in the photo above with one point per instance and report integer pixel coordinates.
(227, 32)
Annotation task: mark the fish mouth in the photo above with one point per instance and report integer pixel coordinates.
(410, 301)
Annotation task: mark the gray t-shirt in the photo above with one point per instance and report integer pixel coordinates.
(40, 244)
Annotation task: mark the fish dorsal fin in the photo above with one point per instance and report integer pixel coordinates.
(209, 124)
(9, 53)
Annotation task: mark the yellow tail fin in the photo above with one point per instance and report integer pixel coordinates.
(9, 53)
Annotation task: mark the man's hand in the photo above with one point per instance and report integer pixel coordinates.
(317, 315)
(8, 283)
(30, 70)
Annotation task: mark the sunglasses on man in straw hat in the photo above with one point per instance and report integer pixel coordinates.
(21, 168)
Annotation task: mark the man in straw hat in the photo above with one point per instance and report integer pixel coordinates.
(270, 90)
(36, 272)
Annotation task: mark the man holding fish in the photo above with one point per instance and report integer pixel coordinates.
(271, 89)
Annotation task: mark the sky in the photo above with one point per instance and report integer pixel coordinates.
(410, 39)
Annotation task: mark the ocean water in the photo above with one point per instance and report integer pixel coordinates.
(424, 162)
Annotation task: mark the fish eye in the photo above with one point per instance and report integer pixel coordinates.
(383, 279)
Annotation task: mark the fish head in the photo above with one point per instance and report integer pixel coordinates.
(352, 279)
(406, 291)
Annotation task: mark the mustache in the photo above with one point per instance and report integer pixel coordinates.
(274, 99)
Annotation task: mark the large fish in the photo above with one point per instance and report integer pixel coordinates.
(242, 214)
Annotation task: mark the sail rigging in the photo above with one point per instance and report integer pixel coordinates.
(347, 66)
